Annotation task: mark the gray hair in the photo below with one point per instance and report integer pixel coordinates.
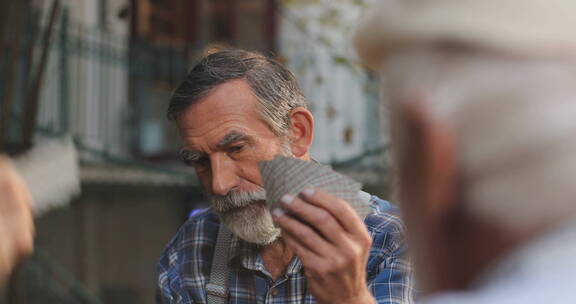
(514, 125)
(274, 86)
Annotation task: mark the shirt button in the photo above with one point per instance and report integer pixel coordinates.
(274, 292)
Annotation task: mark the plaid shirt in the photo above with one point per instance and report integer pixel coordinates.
(184, 267)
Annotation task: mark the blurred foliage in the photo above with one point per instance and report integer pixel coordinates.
(328, 24)
(331, 17)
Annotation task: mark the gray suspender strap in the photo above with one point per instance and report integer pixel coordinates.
(217, 287)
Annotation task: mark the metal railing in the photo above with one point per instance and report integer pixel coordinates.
(100, 87)
(109, 90)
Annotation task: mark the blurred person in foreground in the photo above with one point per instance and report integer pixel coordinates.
(482, 102)
(16, 221)
(234, 109)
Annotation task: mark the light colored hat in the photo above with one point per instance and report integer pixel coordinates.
(520, 27)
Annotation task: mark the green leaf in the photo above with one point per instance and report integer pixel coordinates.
(341, 60)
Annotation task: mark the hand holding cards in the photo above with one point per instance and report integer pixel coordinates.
(320, 228)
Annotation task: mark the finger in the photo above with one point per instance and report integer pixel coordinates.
(316, 217)
(15, 208)
(25, 234)
(339, 208)
(304, 235)
(306, 256)
(15, 195)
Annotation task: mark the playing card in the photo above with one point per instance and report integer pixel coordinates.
(288, 175)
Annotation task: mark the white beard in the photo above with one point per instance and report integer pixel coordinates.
(247, 216)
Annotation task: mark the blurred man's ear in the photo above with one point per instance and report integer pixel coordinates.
(301, 132)
(430, 162)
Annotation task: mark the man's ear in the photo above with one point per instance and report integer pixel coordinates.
(301, 131)
(431, 161)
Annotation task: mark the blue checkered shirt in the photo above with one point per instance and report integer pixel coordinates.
(184, 267)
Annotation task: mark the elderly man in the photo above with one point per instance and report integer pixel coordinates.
(482, 96)
(234, 109)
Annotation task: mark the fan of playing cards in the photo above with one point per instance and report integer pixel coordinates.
(287, 175)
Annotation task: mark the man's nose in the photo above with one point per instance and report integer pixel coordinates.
(224, 176)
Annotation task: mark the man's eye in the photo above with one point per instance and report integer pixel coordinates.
(236, 148)
(199, 162)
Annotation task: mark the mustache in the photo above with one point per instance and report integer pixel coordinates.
(236, 199)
